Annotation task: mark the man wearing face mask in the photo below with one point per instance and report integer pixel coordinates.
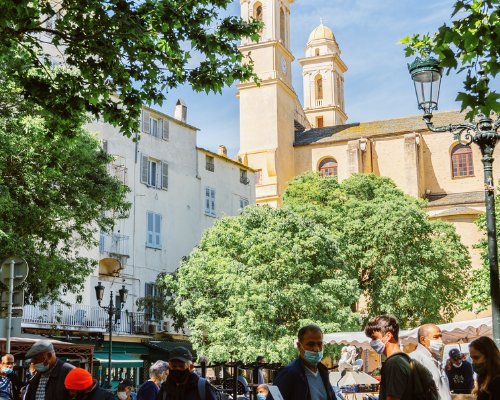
(306, 378)
(124, 390)
(428, 353)
(81, 386)
(459, 373)
(10, 384)
(182, 382)
(48, 383)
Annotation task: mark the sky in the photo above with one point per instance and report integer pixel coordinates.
(377, 83)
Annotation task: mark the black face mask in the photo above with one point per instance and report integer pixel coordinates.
(178, 375)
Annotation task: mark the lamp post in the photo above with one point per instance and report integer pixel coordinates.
(112, 310)
(426, 76)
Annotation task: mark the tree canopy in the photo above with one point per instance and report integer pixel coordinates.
(136, 50)
(255, 279)
(53, 191)
(472, 36)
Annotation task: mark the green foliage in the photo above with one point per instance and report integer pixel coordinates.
(137, 50)
(473, 35)
(405, 264)
(254, 280)
(54, 186)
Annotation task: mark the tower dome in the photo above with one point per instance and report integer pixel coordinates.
(320, 33)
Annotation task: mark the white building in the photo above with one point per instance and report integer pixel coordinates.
(177, 191)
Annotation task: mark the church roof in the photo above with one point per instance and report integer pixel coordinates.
(321, 32)
(449, 199)
(385, 127)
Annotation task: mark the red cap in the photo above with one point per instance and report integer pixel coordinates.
(78, 379)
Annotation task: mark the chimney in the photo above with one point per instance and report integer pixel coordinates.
(222, 151)
(180, 111)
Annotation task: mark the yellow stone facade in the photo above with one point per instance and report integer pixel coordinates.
(282, 138)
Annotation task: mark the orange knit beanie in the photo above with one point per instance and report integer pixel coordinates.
(78, 379)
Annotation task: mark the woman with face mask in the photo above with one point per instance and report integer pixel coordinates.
(158, 374)
(486, 364)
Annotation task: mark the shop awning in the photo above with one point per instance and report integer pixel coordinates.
(118, 360)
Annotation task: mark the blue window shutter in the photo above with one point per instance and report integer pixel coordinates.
(144, 168)
(157, 233)
(150, 229)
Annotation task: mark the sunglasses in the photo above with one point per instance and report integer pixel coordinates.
(457, 358)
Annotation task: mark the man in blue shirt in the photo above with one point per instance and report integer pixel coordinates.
(10, 384)
(306, 378)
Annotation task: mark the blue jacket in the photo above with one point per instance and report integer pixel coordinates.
(293, 385)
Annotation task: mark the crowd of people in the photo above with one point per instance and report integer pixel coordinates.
(403, 376)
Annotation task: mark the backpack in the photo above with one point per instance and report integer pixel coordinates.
(424, 387)
(201, 389)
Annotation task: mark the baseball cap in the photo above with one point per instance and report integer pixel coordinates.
(180, 353)
(124, 383)
(454, 353)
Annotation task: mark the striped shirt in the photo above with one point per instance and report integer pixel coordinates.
(40, 390)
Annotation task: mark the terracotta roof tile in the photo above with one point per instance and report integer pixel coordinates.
(374, 128)
(436, 200)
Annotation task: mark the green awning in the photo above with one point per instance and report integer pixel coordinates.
(118, 360)
(165, 347)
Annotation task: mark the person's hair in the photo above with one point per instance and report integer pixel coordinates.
(4, 355)
(307, 329)
(489, 349)
(157, 369)
(383, 324)
(424, 331)
(203, 359)
(260, 358)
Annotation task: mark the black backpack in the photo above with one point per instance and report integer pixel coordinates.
(424, 387)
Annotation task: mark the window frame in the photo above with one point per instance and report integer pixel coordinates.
(155, 230)
(258, 177)
(211, 209)
(457, 159)
(209, 165)
(244, 176)
(335, 168)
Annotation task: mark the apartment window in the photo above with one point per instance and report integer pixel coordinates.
(461, 157)
(243, 203)
(210, 201)
(328, 167)
(154, 173)
(149, 290)
(153, 227)
(243, 176)
(159, 128)
(258, 177)
(209, 163)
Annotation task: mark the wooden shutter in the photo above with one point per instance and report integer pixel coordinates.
(150, 228)
(148, 291)
(212, 202)
(207, 200)
(145, 121)
(157, 233)
(165, 128)
(144, 168)
(164, 175)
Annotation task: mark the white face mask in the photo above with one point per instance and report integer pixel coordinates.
(436, 346)
(122, 395)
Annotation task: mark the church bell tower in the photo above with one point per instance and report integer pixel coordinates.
(267, 111)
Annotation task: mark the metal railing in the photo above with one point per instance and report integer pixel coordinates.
(319, 103)
(114, 243)
(86, 317)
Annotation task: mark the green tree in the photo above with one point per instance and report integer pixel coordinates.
(53, 191)
(405, 264)
(473, 35)
(136, 50)
(253, 281)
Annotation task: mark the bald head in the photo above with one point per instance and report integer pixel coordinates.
(429, 332)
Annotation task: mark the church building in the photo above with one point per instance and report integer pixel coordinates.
(282, 136)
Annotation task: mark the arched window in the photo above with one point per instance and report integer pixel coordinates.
(259, 14)
(328, 167)
(317, 52)
(282, 27)
(461, 158)
(319, 87)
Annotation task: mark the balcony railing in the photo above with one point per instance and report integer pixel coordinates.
(114, 243)
(80, 317)
(319, 103)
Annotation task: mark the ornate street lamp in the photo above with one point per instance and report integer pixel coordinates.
(426, 75)
(112, 310)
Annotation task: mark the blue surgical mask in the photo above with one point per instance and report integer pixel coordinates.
(457, 366)
(6, 371)
(312, 357)
(40, 367)
(261, 396)
(378, 345)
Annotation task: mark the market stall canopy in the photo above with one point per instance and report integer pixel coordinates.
(118, 360)
(357, 339)
(453, 332)
(352, 378)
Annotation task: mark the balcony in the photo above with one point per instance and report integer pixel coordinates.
(114, 244)
(319, 103)
(80, 317)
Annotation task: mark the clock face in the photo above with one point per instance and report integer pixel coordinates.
(284, 67)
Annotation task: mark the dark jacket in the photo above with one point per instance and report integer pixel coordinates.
(98, 393)
(15, 385)
(55, 388)
(461, 379)
(293, 385)
(189, 391)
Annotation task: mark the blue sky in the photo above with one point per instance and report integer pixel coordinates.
(377, 83)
